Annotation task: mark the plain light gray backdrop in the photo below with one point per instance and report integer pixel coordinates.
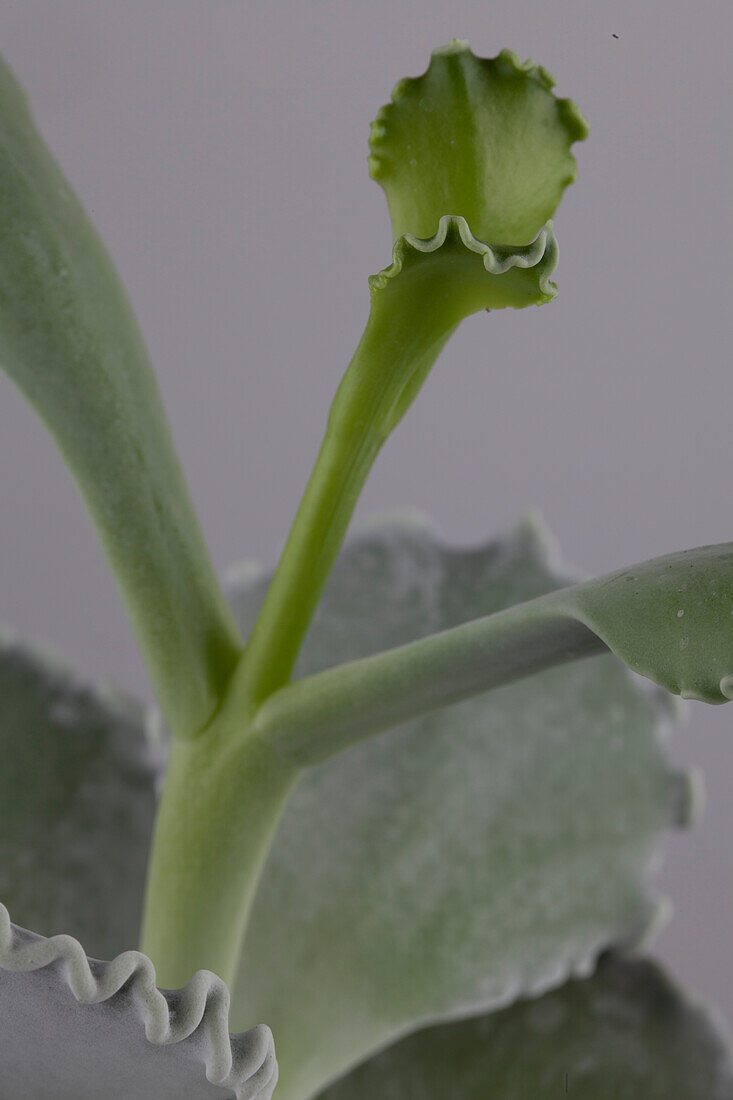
(221, 147)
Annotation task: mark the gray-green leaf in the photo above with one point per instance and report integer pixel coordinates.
(627, 1033)
(452, 865)
(670, 619)
(70, 342)
(77, 798)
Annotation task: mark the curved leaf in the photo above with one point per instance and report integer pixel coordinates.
(481, 138)
(451, 865)
(73, 1028)
(77, 798)
(626, 1033)
(69, 341)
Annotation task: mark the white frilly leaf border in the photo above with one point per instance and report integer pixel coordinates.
(244, 1063)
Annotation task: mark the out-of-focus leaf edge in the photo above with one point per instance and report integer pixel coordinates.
(658, 1010)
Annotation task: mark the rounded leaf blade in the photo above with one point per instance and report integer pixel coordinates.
(462, 860)
(481, 138)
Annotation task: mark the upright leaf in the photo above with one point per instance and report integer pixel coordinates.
(474, 156)
(69, 341)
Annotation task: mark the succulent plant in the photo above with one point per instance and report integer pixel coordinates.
(401, 802)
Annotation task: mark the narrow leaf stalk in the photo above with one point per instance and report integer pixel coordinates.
(403, 338)
(317, 717)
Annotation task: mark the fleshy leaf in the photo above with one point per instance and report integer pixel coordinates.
(69, 341)
(670, 619)
(481, 138)
(626, 1033)
(449, 866)
(77, 799)
(73, 1028)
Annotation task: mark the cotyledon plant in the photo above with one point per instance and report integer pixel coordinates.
(446, 909)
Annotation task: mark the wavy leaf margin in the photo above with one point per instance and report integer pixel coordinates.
(542, 253)
(244, 1062)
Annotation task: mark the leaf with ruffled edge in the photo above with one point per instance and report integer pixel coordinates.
(624, 1034)
(74, 1028)
(456, 251)
(77, 796)
(474, 156)
(467, 274)
(429, 288)
(483, 138)
(486, 851)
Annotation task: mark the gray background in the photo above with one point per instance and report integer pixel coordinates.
(220, 148)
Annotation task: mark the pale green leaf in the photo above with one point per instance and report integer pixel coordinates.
(451, 865)
(627, 1033)
(69, 341)
(72, 1028)
(77, 798)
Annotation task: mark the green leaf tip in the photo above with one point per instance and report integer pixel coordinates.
(670, 619)
(484, 139)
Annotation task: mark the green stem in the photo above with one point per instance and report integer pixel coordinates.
(226, 790)
(224, 794)
(319, 716)
(403, 337)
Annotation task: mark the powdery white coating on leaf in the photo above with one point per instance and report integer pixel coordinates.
(468, 858)
(73, 1028)
(624, 1034)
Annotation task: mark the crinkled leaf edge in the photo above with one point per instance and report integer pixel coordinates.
(541, 254)
(167, 1016)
